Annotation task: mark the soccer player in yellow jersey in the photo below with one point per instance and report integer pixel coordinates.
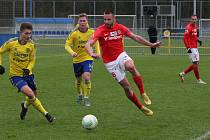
(82, 62)
(22, 60)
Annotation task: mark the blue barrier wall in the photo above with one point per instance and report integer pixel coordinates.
(5, 37)
(46, 20)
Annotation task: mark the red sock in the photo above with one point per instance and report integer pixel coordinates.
(135, 100)
(190, 68)
(139, 83)
(196, 73)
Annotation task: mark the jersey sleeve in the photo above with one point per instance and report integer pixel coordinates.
(186, 37)
(32, 59)
(4, 48)
(68, 44)
(125, 30)
(97, 48)
(96, 35)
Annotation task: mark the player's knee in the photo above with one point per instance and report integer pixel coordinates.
(195, 64)
(130, 68)
(31, 95)
(86, 76)
(126, 86)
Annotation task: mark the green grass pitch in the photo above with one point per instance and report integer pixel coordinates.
(181, 111)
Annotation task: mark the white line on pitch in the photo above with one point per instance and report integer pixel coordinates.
(205, 136)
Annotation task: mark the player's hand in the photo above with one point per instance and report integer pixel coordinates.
(2, 70)
(96, 56)
(189, 50)
(156, 45)
(200, 42)
(74, 54)
(26, 72)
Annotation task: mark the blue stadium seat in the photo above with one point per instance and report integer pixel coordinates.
(62, 32)
(66, 32)
(36, 32)
(58, 32)
(40, 32)
(49, 32)
(53, 32)
(45, 32)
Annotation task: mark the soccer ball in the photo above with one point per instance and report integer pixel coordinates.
(89, 122)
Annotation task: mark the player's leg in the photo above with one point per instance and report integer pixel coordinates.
(30, 81)
(79, 87)
(195, 60)
(153, 50)
(129, 66)
(19, 82)
(87, 69)
(119, 74)
(27, 86)
(195, 70)
(78, 82)
(36, 103)
(87, 87)
(196, 73)
(189, 68)
(132, 96)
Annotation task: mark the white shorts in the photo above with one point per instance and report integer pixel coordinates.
(117, 67)
(194, 55)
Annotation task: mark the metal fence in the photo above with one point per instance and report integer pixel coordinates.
(170, 13)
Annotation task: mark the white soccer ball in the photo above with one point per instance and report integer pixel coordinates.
(89, 122)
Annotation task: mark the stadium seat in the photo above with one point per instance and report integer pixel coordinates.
(62, 32)
(66, 32)
(58, 32)
(49, 32)
(53, 32)
(40, 32)
(45, 32)
(36, 32)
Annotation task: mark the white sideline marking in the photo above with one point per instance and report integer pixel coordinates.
(205, 136)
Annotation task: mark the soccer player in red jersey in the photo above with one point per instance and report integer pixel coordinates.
(190, 41)
(110, 36)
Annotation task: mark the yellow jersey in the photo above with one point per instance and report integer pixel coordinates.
(20, 56)
(75, 43)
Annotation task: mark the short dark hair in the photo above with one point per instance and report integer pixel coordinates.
(26, 25)
(108, 11)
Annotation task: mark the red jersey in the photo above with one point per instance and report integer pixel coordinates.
(111, 40)
(190, 36)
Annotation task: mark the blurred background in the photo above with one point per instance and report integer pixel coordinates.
(56, 18)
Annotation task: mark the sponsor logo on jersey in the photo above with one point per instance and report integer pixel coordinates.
(113, 35)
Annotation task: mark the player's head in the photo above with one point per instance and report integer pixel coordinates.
(109, 18)
(193, 19)
(82, 21)
(25, 31)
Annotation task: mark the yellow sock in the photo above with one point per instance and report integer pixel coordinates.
(27, 102)
(87, 88)
(38, 105)
(79, 86)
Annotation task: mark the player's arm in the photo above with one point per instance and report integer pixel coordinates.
(143, 41)
(69, 42)
(89, 49)
(91, 42)
(4, 48)
(31, 64)
(97, 48)
(199, 41)
(187, 39)
(138, 38)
